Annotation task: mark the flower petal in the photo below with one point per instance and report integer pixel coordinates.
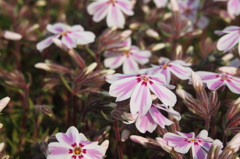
(57, 28)
(115, 17)
(70, 137)
(146, 123)
(69, 41)
(83, 37)
(205, 76)
(45, 43)
(228, 41)
(215, 83)
(180, 71)
(233, 7)
(114, 62)
(98, 9)
(166, 96)
(125, 6)
(177, 142)
(130, 66)
(159, 118)
(198, 152)
(141, 100)
(58, 150)
(141, 56)
(122, 89)
(233, 86)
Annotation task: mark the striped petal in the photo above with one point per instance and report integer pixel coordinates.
(159, 118)
(146, 123)
(130, 66)
(122, 89)
(228, 41)
(115, 17)
(141, 100)
(166, 96)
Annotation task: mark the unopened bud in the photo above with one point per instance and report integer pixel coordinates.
(12, 35)
(234, 144)
(140, 140)
(125, 135)
(4, 102)
(152, 33)
(164, 144)
(196, 80)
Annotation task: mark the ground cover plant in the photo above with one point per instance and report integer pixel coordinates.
(119, 79)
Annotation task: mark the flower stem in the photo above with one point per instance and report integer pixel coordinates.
(120, 153)
(90, 51)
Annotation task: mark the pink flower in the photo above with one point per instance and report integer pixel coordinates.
(182, 142)
(75, 145)
(70, 36)
(230, 39)
(216, 80)
(153, 118)
(137, 87)
(178, 68)
(233, 7)
(159, 3)
(129, 58)
(113, 9)
(188, 9)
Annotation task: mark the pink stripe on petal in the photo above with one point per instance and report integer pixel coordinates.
(214, 84)
(45, 43)
(228, 41)
(125, 6)
(57, 28)
(180, 71)
(166, 96)
(56, 148)
(94, 153)
(198, 152)
(207, 75)
(101, 13)
(159, 78)
(141, 100)
(115, 17)
(233, 86)
(130, 66)
(159, 118)
(69, 41)
(70, 137)
(114, 62)
(145, 123)
(122, 89)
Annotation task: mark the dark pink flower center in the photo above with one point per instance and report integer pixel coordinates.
(77, 151)
(144, 79)
(193, 140)
(224, 77)
(127, 53)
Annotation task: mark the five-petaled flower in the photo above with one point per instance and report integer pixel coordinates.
(182, 142)
(113, 9)
(138, 87)
(230, 39)
(178, 67)
(75, 145)
(129, 57)
(152, 118)
(216, 80)
(70, 36)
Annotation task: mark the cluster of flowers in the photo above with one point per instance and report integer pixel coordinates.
(143, 86)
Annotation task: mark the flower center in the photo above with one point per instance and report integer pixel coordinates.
(77, 150)
(64, 33)
(187, 11)
(112, 1)
(144, 78)
(127, 53)
(165, 66)
(224, 77)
